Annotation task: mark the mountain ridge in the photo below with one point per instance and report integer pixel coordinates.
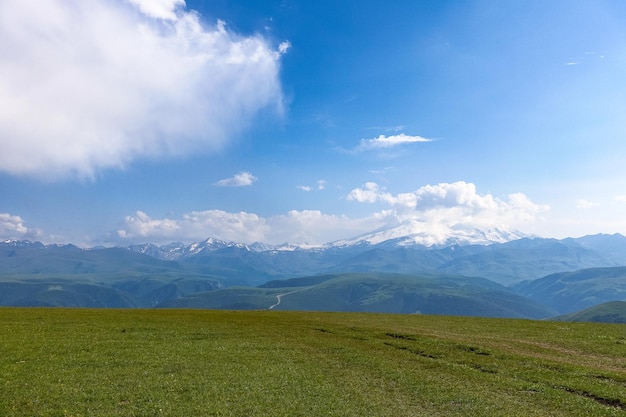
(506, 263)
(391, 293)
(147, 275)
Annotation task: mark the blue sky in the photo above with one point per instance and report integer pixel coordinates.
(125, 121)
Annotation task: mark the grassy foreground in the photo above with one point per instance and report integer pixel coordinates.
(72, 362)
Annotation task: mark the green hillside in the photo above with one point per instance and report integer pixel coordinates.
(381, 278)
(232, 298)
(611, 312)
(63, 293)
(135, 362)
(383, 293)
(526, 259)
(33, 274)
(568, 292)
(39, 260)
(127, 291)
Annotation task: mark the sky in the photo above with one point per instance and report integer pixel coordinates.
(129, 121)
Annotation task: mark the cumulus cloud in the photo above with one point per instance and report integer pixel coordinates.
(90, 85)
(386, 142)
(321, 184)
(242, 179)
(160, 9)
(283, 47)
(197, 225)
(306, 226)
(437, 208)
(370, 192)
(13, 227)
(315, 227)
(434, 212)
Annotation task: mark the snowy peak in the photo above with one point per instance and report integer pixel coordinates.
(421, 234)
(22, 244)
(12, 243)
(178, 250)
(406, 234)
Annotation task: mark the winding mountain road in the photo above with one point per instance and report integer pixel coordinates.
(280, 296)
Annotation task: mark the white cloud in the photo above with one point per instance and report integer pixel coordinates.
(315, 227)
(13, 227)
(382, 171)
(397, 128)
(585, 204)
(197, 225)
(160, 9)
(242, 226)
(283, 47)
(307, 226)
(90, 85)
(321, 184)
(385, 142)
(621, 198)
(370, 192)
(433, 211)
(242, 179)
(448, 205)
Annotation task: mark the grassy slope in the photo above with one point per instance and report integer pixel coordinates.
(232, 298)
(221, 363)
(375, 292)
(62, 293)
(389, 293)
(569, 292)
(85, 291)
(611, 312)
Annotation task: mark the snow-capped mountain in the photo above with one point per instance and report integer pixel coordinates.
(422, 234)
(178, 250)
(21, 243)
(402, 235)
(65, 275)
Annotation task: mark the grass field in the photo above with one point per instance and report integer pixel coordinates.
(73, 362)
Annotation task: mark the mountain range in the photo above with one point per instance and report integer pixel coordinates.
(507, 262)
(473, 272)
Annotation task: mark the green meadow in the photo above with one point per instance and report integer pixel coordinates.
(90, 362)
